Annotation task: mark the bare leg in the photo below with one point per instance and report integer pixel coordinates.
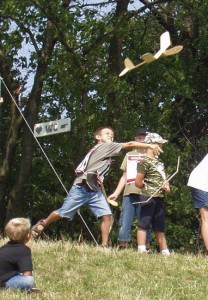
(141, 236)
(39, 227)
(161, 240)
(53, 217)
(105, 229)
(204, 225)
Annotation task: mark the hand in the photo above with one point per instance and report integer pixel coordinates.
(166, 188)
(112, 197)
(156, 149)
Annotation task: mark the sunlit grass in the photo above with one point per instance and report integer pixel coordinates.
(65, 270)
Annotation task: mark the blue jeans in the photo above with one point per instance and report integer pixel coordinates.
(127, 217)
(20, 282)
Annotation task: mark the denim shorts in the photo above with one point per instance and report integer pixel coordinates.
(153, 213)
(200, 198)
(82, 195)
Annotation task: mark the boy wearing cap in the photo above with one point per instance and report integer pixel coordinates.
(150, 177)
(131, 193)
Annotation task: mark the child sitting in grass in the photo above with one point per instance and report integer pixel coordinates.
(15, 256)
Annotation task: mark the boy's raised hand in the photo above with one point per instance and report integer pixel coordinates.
(157, 149)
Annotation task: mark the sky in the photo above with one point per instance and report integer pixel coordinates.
(27, 48)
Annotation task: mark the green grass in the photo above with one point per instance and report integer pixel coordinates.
(65, 270)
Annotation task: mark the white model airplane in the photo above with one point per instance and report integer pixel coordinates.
(149, 57)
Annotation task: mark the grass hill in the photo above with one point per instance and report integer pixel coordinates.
(65, 270)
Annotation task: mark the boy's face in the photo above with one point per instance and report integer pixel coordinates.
(140, 138)
(105, 135)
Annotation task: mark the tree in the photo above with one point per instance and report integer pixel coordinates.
(75, 53)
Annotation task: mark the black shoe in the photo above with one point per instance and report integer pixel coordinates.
(34, 290)
(149, 251)
(121, 248)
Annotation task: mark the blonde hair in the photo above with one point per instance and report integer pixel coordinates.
(17, 229)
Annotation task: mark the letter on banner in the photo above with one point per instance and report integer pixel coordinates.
(52, 127)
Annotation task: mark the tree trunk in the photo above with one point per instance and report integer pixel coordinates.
(16, 201)
(9, 143)
(114, 64)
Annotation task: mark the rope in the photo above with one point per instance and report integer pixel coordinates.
(1, 79)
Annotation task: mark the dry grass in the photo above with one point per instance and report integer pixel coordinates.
(68, 271)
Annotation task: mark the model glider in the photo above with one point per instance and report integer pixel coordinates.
(147, 58)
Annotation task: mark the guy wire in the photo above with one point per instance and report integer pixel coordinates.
(1, 79)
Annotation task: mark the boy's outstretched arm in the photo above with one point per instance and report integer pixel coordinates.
(138, 145)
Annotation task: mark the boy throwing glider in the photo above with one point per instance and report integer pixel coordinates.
(86, 189)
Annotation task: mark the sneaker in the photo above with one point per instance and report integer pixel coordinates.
(171, 252)
(142, 251)
(165, 254)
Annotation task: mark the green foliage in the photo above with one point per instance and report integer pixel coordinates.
(169, 96)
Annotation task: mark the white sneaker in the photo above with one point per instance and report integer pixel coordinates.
(142, 251)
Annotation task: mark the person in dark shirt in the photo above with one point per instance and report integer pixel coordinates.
(15, 257)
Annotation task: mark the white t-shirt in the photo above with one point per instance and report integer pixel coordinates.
(198, 178)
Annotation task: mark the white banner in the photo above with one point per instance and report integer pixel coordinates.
(132, 161)
(52, 127)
